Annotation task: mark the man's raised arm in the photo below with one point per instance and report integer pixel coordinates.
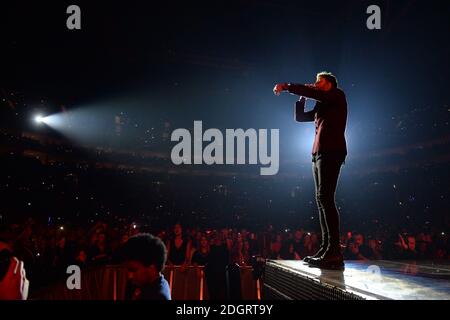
(308, 91)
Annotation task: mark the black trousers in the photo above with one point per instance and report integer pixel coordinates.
(326, 171)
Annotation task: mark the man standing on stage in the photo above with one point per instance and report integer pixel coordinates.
(328, 155)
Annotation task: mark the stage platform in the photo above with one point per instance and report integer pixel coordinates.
(368, 280)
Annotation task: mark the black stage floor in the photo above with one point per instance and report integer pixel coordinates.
(381, 279)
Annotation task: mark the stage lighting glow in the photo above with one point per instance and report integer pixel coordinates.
(84, 125)
(39, 119)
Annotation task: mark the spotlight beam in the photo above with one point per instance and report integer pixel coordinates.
(39, 119)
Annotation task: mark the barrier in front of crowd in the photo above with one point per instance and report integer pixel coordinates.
(110, 283)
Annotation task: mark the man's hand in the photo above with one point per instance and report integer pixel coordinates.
(14, 285)
(280, 87)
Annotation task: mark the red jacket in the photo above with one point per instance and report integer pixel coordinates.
(329, 116)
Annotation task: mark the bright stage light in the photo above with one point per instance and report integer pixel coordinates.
(87, 125)
(39, 119)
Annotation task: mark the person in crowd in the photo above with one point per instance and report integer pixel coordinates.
(215, 270)
(100, 253)
(375, 247)
(201, 254)
(275, 247)
(179, 247)
(365, 252)
(254, 245)
(81, 258)
(308, 245)
(145, 258)
(288, 252)
(410, 252)
(298, 243)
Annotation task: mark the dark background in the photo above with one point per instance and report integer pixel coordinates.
(160, 66)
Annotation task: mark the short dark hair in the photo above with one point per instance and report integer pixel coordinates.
(147, 249)
(331, 78)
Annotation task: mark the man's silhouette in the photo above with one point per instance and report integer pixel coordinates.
(328, 155)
